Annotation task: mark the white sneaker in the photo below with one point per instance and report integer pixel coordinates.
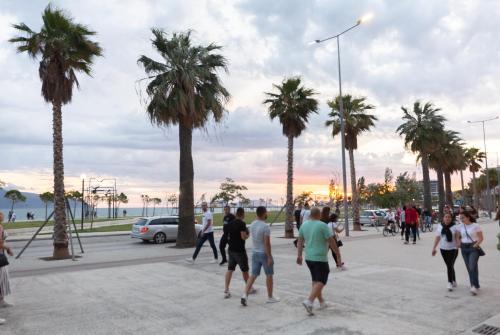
(253, 291)
(213, 261)
(473, 290)
(272, 300)
(244, 299)
(323, 305)
(308, 306)
(189, 260)
(450, 287)
(454, 284)
(2, 321)
(227, 295)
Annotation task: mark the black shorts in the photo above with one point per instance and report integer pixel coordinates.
(319, 271)
(239, 258)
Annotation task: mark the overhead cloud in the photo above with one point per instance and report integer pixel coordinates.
(440, 51)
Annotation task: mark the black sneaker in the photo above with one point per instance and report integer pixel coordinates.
(244, 300)
(223, 262)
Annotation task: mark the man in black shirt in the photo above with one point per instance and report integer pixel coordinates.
(228, 217)
(237, 233)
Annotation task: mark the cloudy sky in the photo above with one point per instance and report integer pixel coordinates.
(442, 51)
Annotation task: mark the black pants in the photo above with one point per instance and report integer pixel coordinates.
(403, 228)
(202, 240)
(413, 228)
(222, 247)
(449, 257)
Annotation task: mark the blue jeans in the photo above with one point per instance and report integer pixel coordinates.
(202, 240)
(259, 260)
(471, 258)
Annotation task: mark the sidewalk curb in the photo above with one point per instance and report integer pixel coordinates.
(74, 236)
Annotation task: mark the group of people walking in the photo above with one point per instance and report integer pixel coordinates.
(466, 236)
(317, 235)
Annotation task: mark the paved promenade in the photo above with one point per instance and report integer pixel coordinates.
(389, 288)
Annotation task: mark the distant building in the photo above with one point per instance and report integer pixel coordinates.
(434, 187)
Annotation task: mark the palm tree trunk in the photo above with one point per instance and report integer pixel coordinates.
(441, 192)
(60, 234)
(449, 193)
(474, 190)
(154, 209)
(426, 181)
(186, 238)
(289, 191)
(462, 185)
(355, 198)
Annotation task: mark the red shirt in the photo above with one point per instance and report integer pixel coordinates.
(411, 215)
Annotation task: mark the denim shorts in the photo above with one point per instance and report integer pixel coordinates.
(259, 260)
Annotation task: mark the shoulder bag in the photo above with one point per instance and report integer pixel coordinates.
(480, 250)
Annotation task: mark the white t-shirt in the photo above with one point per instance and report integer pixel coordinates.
(472, 230)
(390, 216)
(208, 216)
(443, 243)
(305, 215)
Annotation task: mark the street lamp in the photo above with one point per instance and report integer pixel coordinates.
(488, 191)
(82, 177)
(363, 19)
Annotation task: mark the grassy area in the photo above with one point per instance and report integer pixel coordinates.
(107, 229)
(36, 224)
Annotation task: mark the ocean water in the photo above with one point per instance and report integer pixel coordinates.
(103, 212)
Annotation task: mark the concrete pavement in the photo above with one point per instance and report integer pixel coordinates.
(389, 288)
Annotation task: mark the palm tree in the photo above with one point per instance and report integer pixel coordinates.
(422, 128)
(46, 197)
(156, 202)
(357, 121)
(14, 196)
(64, 49)
(184, 90)
(455, 153)
(75, 196)
(291, 105)
(473, 157)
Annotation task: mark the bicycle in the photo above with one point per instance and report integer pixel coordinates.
(390, 228)
(427, 225)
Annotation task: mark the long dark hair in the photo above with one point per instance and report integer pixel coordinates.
(469, 215)
(325, 214)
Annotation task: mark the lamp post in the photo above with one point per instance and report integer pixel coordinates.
(488, 191)
(83, 195)
(341, 115)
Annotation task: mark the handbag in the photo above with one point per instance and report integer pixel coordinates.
(337, 240)
(479, 250)
(3, 260)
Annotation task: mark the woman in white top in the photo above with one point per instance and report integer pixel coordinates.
(331, 221)
(445, 237)
(469, 237)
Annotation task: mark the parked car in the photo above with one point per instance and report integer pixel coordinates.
(371, 217)
(158, 229)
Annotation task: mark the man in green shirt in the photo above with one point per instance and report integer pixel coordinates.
(317, 237)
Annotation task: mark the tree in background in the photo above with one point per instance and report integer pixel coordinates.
(357, 121)
(46, 197)
(120, 199)
(145, 202)
(156, 202)
(422, 129)
(383, 195)
(172, 200)
(303, 197)
(229, 192)
(292, 106)
(64, 48)
(75, 196)
(362, 191)
(407, 188)
(185, 90)
(474, 157)
(14, 196)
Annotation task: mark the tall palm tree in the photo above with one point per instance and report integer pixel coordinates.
(292, 106)
(357, 121)
(473, 157)
(184, 90)
(420, 128)
(64, 49)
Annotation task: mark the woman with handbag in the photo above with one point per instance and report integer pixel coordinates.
(469, 237)
(445, 234)
(4, 274)
(331, 221)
